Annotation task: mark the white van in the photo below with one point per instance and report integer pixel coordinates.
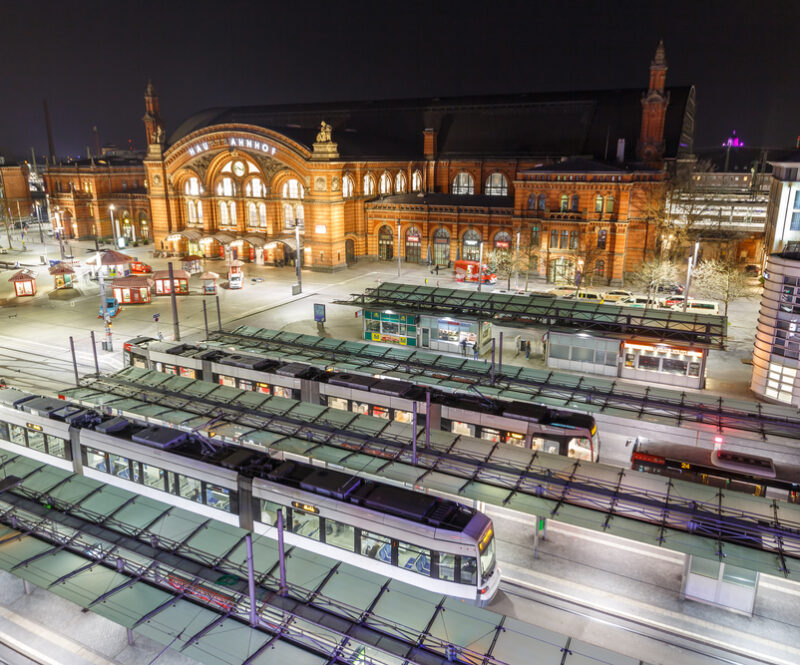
(591, 296)
(699, 307)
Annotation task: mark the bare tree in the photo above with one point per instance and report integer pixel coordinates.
(654, 274)
(501, 261)
(528, 259)
(721, 280)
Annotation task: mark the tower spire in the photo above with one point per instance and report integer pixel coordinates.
(153, 124)
(654, 110)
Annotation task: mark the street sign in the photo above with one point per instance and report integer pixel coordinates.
(319, 313)
(155, 317)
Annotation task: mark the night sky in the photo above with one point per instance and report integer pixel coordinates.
(91, 60)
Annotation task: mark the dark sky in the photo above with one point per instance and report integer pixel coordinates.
(91, 60)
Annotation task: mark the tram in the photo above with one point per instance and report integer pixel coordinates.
(423, 540)
(750, 474)
(520, 423)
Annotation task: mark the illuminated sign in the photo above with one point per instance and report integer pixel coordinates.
(33, 426)
(502, 244)
(320, 228)
(487, 537)
(414, 238)
(305, 506)
(233, 142)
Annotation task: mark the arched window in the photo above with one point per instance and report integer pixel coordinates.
(347, 187)
(496, 185)
(598, 203)
(232, 208)
(288, 216)
(413, 245)
(255, 188)
(199, 212)
(385, 184)
(502, 241)
(262, 215)
(471, 245)
(369, 185)
(385, 244)
(532, 202)
(225, 187)
(192, 187)
(574, 205)
(564, 202)
(441, 247)
(191, 210)
(609, 204)
(542, 202)
(416, 181)
(400, 184)
(463, 184)
(602, 238)
(599, 268)
(252, 214)
(292, 189)
(223, 213)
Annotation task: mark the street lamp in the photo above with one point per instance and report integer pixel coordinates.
(480, 266)
(108, 346)
(516, 265)
(298, 257)
(113, 226)
(689, 270)
(398, 249)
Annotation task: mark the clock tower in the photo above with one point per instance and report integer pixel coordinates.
(654, 111)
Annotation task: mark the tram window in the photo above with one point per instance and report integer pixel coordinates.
(244, 384)
(4, 431)
(305, 524)
(36, 440)
(263, 388)
(469, 570)
(741, 576)
(188, 372)
(139, 362)
(120, 466)
(18, 435)
(403, 416)
(338, 403)
(280, 391)
(170, 369)
(153, 477)
(490, 434)
(190, 488)
(515, 439)
(269, 512)
(412, 557)
(227, 380)
(380, 412)
(340, 535)
(447, 566)
(218, 497)
(376, 547)
(360, 407)
(462, 428)
(56, 446)
(546, 446)
(96, 460)
(580, 449)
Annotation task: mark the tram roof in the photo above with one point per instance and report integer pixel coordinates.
(678, 515)
(588, 394)
(333, 613)
(654, 325)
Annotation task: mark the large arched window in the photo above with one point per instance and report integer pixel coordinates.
(369, 185)
(502, 241)
(385, 244)
(192, 187)
(194, 208)
(292, 189)
(564, 202)
(225, 187)
(400, 183)
(385, 183)
(574, 204)
(252, 214)
(347, 187)
(542, 202)
(416, 181)
(413, 245)
(262, 215)
(255, 188)
(292, 193)
(441, 247)
(224, 218)
(496, 185)
(463, 184)
(191, 212)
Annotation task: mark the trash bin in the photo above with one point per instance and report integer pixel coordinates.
(42, 261)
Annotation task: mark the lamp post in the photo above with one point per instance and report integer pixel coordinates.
(104, 306)
(113, 226)
(689, 270)
(516, 265)
(298, 259)
(480, 266)
(398, 248)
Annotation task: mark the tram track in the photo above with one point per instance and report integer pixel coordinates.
(710, 650)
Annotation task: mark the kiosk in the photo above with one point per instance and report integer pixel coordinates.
(236, 275)
(134, 290)
(63, 275)
(113, 263)
(163, 287)
(192, 264)
(209, 280)
(24, 283)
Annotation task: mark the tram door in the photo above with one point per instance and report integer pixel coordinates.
(426, 337)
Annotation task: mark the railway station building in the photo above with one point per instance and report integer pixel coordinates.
(566, 177)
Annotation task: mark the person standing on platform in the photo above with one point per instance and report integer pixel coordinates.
(464, 347)
(527, 350)
(474, 350)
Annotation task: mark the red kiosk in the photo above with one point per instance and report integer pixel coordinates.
(180, 278)
(63, 275)
(134, 290)
(24, 283)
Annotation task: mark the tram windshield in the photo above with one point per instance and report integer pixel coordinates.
(580, 448)
(487, 555)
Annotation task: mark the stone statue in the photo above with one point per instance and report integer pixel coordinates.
(158, 134)
(325, 133)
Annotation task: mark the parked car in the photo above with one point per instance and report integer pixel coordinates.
(699, 307)
(112, 308)
(140, 268)
(669, 288)
(590, 296)
(671, 301)
(614, 296)
(235, 280)
(640, 302)
(563, 292)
